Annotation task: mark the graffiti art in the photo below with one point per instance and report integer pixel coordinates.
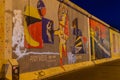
(78, 47)
(100, 40)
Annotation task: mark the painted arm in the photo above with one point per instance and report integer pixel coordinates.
(57, 32)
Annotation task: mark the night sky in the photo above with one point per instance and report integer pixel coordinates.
(106, 10)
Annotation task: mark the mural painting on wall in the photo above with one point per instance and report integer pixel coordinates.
(36, 32)
(100, 40)
(78, 47)
(33, 34)
(62, 32)
(36, 42)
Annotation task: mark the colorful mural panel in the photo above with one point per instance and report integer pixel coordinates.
(40, 29)
(33, 37)
(100, 40)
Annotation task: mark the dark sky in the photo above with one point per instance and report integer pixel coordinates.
(106, 10)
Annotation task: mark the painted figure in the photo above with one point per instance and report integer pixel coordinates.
(63, 31)
(47, 31)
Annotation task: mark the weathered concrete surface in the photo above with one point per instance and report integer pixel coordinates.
(105, 71)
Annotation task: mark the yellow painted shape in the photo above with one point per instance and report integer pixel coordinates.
(80, 43)
(93, 47)
(31, 11)
(28, 38)
(66, 0)
(78, 38)
(60, 50)
(56, 32)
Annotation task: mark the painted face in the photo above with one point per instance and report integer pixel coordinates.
(41, 8)
(62, 14)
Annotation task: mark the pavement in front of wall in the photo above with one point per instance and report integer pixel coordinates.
(103, 71)
(72, 72)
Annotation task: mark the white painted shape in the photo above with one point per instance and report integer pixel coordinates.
(18, 32)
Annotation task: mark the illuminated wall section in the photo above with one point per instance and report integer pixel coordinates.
(8, 30)
(100, 40)
(46, 35)
(119, 43)
(5, 35)
(115, 41)
(2, 7)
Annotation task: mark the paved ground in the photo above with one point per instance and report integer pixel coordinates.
(106, 71)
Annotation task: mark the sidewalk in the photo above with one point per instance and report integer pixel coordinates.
(37, 75)
(104, 71)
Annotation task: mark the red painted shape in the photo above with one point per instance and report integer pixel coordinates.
(35, 31)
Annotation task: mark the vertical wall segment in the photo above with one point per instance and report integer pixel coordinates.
(115, 41)
(2, 34)
(8, 29)
(5, 35)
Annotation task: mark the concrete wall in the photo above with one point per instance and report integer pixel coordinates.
(69, 35)
(51, 35)
(100, 40)
(115, 43)
(5, 35)
(2, 23)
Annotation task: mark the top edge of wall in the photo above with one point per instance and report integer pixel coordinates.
(97, 19)
(115, 29)
(84, 12)
(75, 7)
